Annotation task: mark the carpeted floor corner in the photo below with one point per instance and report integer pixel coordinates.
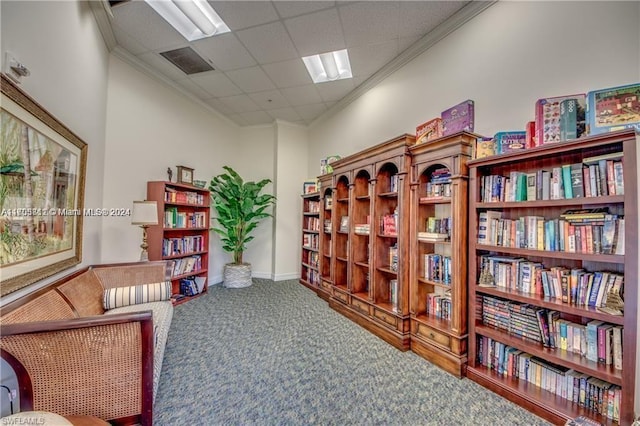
(276, 354)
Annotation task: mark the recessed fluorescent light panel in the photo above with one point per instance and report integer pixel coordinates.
(194, 19)
(328, 66)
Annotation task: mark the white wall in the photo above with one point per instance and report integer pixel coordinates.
(291, 172)
(504, 59)
(152, 126)
(62, 47)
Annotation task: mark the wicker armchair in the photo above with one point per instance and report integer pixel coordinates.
(71, 359)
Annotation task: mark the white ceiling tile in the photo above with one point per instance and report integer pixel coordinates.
(271, 99)
(302, 95)
(215, 83)
(370, 22)
(251, 79)
(288, 9)
(287, 114)
(159, 63)
(317, 32)
(288, 73)
(310, 112)
(239, 103)
(225, 52)
(127, 42)
(219, 106)
(365, 60)
(268, 43)
(243, 14)
(256, 117)
(335, 90)
(193, 88)
(418, 18)
(146, 26)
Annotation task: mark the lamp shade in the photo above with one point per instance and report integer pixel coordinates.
(144, 213)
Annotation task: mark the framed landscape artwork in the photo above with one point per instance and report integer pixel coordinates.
(42, 178)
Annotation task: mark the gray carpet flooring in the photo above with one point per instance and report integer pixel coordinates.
(276, 354)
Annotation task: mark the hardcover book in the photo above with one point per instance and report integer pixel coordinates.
(548, 117)
(458, 118)
(615, 108)
(510, 141)
(430, 130)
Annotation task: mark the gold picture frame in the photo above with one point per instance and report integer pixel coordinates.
(42, 181)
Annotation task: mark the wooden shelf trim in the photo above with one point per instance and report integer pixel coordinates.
(188, 274)
(178, 256)
(434, 283)
(583, 201)
(608, 258)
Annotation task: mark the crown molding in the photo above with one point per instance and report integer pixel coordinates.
(103, 15)
(458, 19)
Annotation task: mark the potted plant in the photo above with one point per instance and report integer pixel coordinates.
(240, 206)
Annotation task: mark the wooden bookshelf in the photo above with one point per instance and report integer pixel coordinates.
(370, 226)
(182, 232)
(311, 229)
(438, 270)
(325, 183)
(485, 330)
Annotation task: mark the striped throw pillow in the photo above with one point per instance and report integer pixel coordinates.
(133, 295)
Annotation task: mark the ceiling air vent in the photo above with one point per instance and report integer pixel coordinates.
(187, 60)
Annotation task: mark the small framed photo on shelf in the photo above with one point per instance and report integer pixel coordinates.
(185, 175)
(309, 187)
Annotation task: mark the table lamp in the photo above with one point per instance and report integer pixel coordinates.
(144, 214)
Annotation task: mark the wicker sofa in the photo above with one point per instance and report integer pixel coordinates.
(74, 358)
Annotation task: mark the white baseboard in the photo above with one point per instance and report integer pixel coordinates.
(288, 276)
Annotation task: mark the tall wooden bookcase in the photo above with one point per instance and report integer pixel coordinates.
(182, 235)
(438, 250)
(325, 183)
(310, 263)
(501, 307)
(370, 262)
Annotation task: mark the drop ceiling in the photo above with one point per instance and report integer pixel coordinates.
(258, 74)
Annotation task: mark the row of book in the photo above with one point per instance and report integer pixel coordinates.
(362, 228)
(313, 206)
(310, 241)
(600, 177)
(439, 305)
(312, 224)
(389, 224)
(393, 257)
(593, 394)
(393, 183)
(182, 245)
(186, 265)
(173, 218)
(393, 294)
(184, 197)
(439, 184)
(596, 341)
(313, 258)
(327, 226)
(437, 268)
(574, 286)
(313, 276)
(602, 234)
(191, 286)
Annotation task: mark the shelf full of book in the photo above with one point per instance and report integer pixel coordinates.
(325, 183)
(310, 269)
(438, 272)
(370, 239)
(553, 267)
(182, 236)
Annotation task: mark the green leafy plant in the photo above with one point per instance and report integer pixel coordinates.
(240, 206)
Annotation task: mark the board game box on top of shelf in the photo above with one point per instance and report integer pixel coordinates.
(430, 130)
(458, 118)
(615, 108)
(548, 117)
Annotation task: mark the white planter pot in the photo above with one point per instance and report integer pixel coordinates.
(237, 276)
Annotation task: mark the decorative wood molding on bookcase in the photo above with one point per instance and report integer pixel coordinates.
(438, 272)
(190, 206)
(369, 252)
(532, 294)
(325, 183)
(311, 230)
